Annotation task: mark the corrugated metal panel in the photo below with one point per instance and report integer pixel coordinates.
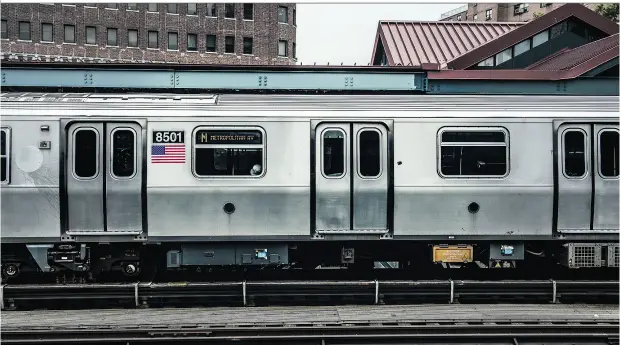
(574, 57)
(417, 43)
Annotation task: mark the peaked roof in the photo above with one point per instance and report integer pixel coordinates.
(532, 28)
(569, 58)
(415, 43)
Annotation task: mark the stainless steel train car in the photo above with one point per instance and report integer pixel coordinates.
(103, 182)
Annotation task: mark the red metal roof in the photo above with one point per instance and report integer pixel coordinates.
(421, 43)
(532, 28)
(570, 58)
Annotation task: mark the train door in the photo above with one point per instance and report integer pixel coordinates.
(104, 178)
(605, 215)
(352, 178)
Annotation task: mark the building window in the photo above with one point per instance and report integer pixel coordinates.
(229, 11)
(153, 40)
(282, 45)
(47, 32)
(211, 43)
(123, 153)
(503, 56)
(5, 32)
(475, 17)
(111, 6)
(24, 31)
(211, 10)
(132, 7)
(248, 11)
(192, 42)
(132, 38)
(490, 62)
(91, 35)
(173, 41)
(489, 14)
(282, 14)
(540, 38)
(5, 154)
(473, 152)
(522, 47)
(172, 9)
(247, 45)
(294, 50)
(192, 9)
(152, 7)
(520, 9)
(333, 153)
(69, 34)
(85, 153)
(574, 153)
(608, 153)
(217, 152)
(544, 5)
(459, 17)
(230, 44)
(369, 147)
(112, 41)
(295, 17)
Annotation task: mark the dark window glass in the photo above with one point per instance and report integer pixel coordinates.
(489, 14)
(294, 17)
(112, 41)
(370, 153)
(210, 43)
(473, 160)
(248, 11)
(172, 8)
(173, 41)
(191, 9)
(24, 31)
(85, 153)
(229, 10)
(132, 7)
(153, 40)
(4, 156)
(69, 34)
(282, 48)
(230, 44)
(5, 32)
(574, 153)
(47, 32)
(333, 153)
(211, 10)
(608, 148)
(4, 171)
(294, 50)
(462, 137)
(132, 38)
(152, 8)
(192, 42)
(283, 14)
(2, 143)
(247, 45)
(111, 5)
(91, 35)
(228, 162)
(123, 153)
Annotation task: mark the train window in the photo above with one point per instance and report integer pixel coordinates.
(123, 153)
(333, 153)
(369, 153)
(574, 153)
(85, 153)
(228, 152)
(608, 151)
(5, 150)
(466, 152)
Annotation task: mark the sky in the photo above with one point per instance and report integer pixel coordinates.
(345, 33)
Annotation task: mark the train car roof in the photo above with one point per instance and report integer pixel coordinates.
(197, 103)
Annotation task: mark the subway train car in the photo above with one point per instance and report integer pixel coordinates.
(97, 183)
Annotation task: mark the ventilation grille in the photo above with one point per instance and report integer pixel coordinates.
(613, 255)
(584, 255)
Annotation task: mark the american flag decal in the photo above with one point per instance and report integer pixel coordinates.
(168, 153)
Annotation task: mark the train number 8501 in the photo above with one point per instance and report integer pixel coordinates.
(169, 137)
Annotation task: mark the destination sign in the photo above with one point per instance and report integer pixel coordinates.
(228, 137)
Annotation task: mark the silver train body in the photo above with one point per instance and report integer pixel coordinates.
(216, 177)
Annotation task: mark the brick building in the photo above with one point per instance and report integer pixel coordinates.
(216, 33)
(503, 12)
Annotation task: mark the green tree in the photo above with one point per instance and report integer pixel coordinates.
(609, 11)
(537, 15)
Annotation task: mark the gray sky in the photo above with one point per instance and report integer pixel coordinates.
(338, 33)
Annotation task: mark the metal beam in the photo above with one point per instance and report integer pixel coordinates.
(342, 80)
(581, 87)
